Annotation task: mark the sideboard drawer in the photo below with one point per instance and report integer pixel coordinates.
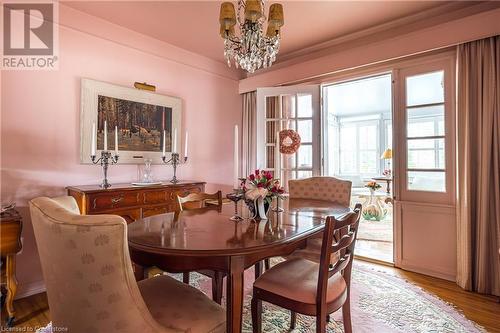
(106, 201)
(182, 192)
(156, 197)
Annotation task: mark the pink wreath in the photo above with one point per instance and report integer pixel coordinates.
(291, 145)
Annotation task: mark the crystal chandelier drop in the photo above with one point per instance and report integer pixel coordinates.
(252, 50)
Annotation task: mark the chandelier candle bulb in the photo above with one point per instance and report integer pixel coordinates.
(186, 146)
(227, 17)
(105, 135)
(276, 15)
(253, 10)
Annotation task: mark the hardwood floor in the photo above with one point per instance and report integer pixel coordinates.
(33, 311)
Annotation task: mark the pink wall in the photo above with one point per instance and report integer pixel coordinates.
(40, 127)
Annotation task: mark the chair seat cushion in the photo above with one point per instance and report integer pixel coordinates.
(177, 305)
(297, 279)
(312, 251)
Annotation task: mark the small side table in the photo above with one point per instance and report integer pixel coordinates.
(387, 180)
(10, 244)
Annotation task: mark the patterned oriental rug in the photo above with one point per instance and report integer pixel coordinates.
(380, 303)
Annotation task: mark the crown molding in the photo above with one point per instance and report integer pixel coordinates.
(444, 13)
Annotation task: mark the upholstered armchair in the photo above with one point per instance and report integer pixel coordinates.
(321, 188)
(90, 283)
(329, 189)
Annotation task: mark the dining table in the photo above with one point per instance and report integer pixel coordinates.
(208, 239)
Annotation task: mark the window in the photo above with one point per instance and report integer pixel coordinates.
(425, 132)
(359, 149)
(290, 111)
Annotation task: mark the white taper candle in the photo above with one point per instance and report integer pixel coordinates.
(105, 135)
(93, 146)
(174, 141)
(236, 158)
(164, 140)
(186, 146)
(116, 140)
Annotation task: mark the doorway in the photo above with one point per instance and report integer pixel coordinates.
(357, 146)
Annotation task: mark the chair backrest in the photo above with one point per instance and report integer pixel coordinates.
(321, 188)
(199, 200)
(339, 236)
(87, 270)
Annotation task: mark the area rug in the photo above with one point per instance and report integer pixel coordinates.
(380, 302)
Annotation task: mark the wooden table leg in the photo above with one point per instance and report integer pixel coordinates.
(11, 288)
(235, 287)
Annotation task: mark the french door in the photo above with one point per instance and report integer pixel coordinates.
(296, 108)
(424, 156)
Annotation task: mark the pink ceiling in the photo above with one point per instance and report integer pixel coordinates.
(193, 25)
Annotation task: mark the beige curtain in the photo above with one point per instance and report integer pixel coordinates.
(478, 131)
(249, 132)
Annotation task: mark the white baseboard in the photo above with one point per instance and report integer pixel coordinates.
(28, 289)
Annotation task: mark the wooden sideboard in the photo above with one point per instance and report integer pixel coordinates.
(132, 202)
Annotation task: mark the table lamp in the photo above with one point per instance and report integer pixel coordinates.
(387, 155)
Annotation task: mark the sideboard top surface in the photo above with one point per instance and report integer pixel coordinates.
(130, 187)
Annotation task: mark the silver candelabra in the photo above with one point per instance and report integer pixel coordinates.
(105, 159)
(174, 160)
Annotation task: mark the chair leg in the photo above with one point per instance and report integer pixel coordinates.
(217, 287)
(346, 315)
(185, 277)
(256, 315)
(267, 263)
(293, 319)
(320, 324)
(258, 269)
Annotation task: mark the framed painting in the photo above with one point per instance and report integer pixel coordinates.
(140, 117)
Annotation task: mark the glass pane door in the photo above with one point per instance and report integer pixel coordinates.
(295, 108)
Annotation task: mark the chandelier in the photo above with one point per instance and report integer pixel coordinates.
(252, 49)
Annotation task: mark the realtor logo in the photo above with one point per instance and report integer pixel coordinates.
(29, 37)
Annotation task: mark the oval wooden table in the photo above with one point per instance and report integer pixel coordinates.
(208, 239)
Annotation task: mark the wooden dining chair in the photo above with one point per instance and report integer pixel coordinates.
(199, 201)
(309, 288)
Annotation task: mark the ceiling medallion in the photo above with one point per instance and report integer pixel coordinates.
(252, 49)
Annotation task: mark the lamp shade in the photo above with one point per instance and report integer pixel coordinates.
(387, 154)
(276, 15)
(227, 17)
(253, 10)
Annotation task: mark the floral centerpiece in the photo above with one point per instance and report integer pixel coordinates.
(260, 188)
(373, 185)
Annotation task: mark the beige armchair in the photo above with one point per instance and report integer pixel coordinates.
(330, 189)
(90, 283)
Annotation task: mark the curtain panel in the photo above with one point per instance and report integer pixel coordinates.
(478, 133)
(249, 133)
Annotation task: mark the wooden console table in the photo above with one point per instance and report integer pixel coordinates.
(10, 244)
(132, 202)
